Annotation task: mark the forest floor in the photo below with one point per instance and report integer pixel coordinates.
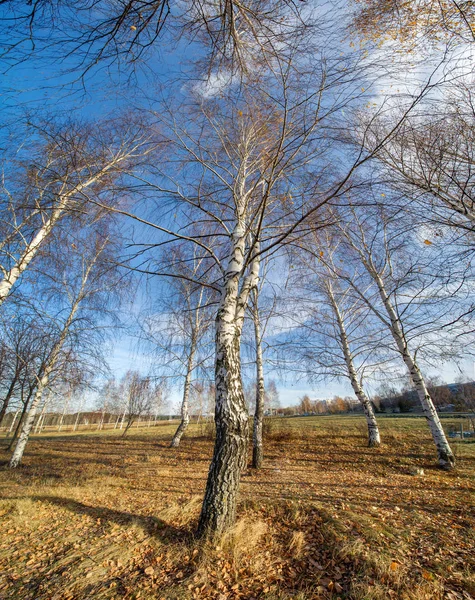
(100, 516)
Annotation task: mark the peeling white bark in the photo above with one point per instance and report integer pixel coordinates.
(28, 424)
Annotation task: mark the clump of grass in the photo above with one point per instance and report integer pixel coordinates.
(182, 514)
(22, 512)
(297, 544)
(243, 538)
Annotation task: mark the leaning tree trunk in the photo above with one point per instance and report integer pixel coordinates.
(39, 424)
(28, 424)
(445, 455)
(32, 248)
(374, 438)
(12, 425)
(185, 416)
(11, 276)
(7, 399)
(257, 453)
(76, 421)
(44, 379)
(129, 424)
(26, 404)
(373, 430)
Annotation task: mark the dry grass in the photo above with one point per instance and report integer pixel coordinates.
(297, 544)
(244, 538)
(98, 516)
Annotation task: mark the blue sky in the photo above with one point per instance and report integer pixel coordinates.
(41, 85)
(126, 356)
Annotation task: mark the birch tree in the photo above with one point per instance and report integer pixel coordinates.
(27, 339)
(142, 397)
(356, 383)
(82, 290)
(68, 166)
(196, 318)
(261, 310)
(176, 327)
(401, 290)
(332, 333)
(20, 389)
(257, 443)
(42, 383)
(254, 171)
(17, 352)
(110, 399)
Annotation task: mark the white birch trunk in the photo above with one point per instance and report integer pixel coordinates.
(43, 381)
(42, 415)
(28, 424)
(41, 420)
(185, 416)
(445, 455)
(14, 421)
(43, 423)
(373, 430)
(101, 422)
(257, 450)
(76, 421)
(231, 416)
(11, 276)
(123, 419)
(60, 424)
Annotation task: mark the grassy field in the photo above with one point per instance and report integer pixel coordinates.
(98, 516)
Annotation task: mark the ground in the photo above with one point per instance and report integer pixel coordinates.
(99, 516)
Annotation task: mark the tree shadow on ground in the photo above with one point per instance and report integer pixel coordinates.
(153, 526)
